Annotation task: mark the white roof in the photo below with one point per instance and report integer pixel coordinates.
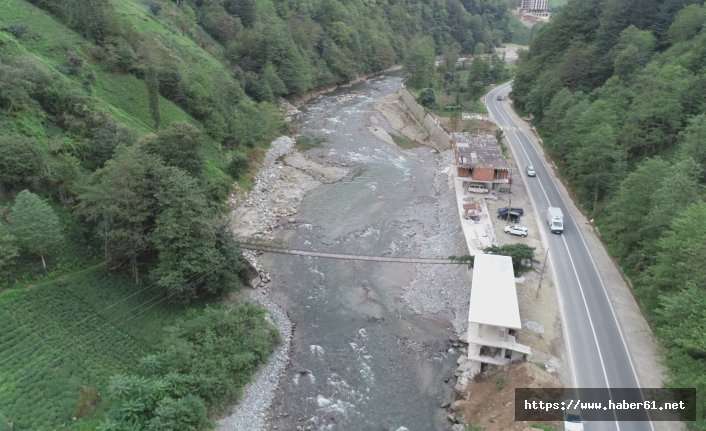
(493, 294)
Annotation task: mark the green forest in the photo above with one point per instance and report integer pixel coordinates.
(618, 93)
(124, 126)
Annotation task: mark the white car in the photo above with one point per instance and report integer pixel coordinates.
(572, 421)
(530, 171)
(516, 230)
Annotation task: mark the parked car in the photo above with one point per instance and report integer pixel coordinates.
(477, 188)
(572, 420)
(513, 215)
(530, 171)
(503, 210)
(516, 230)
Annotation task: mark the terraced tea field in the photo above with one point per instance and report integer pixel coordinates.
(74, 332)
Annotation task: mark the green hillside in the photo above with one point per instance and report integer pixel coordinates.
(123, 126)
(620, 103)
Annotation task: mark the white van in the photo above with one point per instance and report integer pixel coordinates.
(477, 188)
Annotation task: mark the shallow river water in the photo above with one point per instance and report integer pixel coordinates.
(361, 358)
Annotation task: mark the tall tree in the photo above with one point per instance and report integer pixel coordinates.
(36, 225)
(687, 23)
(626, 211)
(184, 238)
(419, 62)
(178, 145)
(120, 201)
(693, 142)
(681, 253)
(633, 51)
(152, 83)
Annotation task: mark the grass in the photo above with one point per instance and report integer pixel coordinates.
(179, 45)
(75, 331)
(403, 141)
(554, 4)
(46, 37)
(125, 97)
(519, 33)
(543, 427)
(306, 142)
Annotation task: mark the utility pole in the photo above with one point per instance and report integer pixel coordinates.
(509, 200)
(541, 276)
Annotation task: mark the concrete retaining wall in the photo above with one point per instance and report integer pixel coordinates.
(437, 135)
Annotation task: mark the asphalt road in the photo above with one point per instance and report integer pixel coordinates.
(596, 348)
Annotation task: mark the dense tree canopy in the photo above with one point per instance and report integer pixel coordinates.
(128, 122)
(618, 97)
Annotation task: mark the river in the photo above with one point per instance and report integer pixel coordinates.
(371, 346)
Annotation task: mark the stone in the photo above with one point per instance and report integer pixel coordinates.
(461, 386)
(534, 326)
(292, 220)
(457, 405)
(458, 427)
(444, 404)
(465, 367)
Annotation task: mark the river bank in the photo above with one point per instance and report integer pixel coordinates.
(365, 345)
(437, 296)
(283, 180)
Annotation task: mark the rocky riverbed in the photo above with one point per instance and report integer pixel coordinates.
(401, 319)
(285, 177)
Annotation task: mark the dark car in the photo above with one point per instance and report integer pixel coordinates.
(503, 210)
(514, 216)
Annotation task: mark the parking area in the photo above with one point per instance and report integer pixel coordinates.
(516, 198)
(487, 229)
(538, 306)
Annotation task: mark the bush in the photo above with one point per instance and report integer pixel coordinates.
(206, 361)
(181, 414)
(427, 98)
(21, 163)
(239, 165)
(120, 57)
(178, 145)
(155, 8)
(18, 30)
(520, 254)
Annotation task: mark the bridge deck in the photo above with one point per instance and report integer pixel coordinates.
(282, 250)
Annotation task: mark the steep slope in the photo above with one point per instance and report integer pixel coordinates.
(127, 122)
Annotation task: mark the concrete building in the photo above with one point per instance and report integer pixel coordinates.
(534, 8)
(494, 315)
(480, 161)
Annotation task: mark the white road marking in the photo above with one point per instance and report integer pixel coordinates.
(593, 263)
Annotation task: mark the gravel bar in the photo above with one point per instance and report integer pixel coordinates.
(249, 413)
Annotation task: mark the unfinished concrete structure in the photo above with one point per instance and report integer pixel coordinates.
(494, 314)
(534, 8)
(479, 160)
